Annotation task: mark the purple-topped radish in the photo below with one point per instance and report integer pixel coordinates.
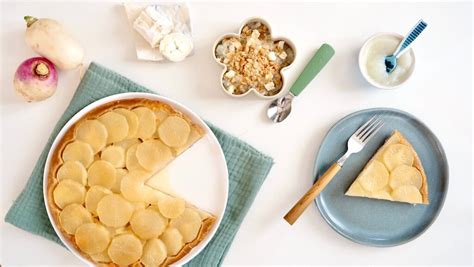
(36, 79)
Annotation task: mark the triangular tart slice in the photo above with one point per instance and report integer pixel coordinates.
(394, 173)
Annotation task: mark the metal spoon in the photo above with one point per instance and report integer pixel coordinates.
(280, 108)
(391, 60)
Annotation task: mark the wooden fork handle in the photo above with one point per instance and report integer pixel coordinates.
(312, 193)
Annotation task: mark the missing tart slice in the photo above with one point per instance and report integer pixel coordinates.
(97, 185)
(394, 173)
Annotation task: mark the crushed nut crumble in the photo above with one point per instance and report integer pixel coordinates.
(254, 60)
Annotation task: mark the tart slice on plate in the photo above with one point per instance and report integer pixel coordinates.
(97, 185)
(394, 173)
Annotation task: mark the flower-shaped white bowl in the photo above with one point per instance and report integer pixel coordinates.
(238, 35)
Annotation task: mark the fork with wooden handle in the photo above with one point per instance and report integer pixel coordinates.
(355, 144)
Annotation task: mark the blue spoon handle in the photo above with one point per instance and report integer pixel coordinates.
(411, 36)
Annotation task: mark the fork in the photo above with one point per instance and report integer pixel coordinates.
(356, 143)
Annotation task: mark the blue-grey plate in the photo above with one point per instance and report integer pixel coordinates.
(378, 222)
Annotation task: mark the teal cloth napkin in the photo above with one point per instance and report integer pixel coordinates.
(248, 169)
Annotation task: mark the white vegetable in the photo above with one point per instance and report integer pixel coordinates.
(48, 38)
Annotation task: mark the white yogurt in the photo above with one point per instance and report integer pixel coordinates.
(372, 61)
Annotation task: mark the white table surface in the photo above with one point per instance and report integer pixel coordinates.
(439, 93)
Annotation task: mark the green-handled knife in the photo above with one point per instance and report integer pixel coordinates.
(280, 108)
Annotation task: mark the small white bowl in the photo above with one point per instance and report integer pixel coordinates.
(363, 55)
(282, 71)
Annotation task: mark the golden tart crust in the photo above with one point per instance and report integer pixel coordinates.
(387, 191)
(56, 161)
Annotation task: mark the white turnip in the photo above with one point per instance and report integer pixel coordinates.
(48, 38)
(36, 79)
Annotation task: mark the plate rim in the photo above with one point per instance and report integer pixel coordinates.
(128, 95)
(445, 163)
